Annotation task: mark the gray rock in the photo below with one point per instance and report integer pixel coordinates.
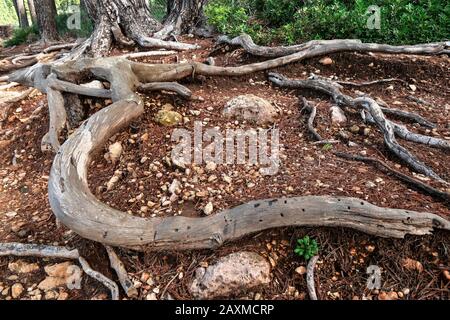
(230, 275)
(337, 115)
(250, 108)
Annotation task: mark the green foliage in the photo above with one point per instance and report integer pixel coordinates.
(306, 248)
(294, 21)
(22, 35)
(327, 147)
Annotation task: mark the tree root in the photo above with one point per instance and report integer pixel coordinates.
(310, 283)
(371, 107)
(423, 187)
(43, 251)
(166, 86)
(331, 46)
(121, 272)
(76, 207)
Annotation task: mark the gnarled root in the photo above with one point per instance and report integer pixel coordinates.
(370, 106)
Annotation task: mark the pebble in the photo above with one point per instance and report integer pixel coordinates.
(301, 270)
(16, 290)
(326, 61)
(208, 209)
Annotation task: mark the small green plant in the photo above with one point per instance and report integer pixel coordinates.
(306, 248)
(22, 35)
(327, 147)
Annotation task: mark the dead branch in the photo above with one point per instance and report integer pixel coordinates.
(312, 115)
(135, 55)
(310, 283)
(66, 86)
(121, 272)
(369, 83)
(43, 251)
(419, 185)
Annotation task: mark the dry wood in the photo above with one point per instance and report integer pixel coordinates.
(121, 272)
(167, 86)
(310, 284)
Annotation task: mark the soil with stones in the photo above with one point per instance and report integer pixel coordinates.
(146, 175)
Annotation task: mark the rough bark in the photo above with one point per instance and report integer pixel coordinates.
(183, 16)
(46, 14)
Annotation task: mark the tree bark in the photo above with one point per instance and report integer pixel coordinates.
(46, 14)
(32, 9)
(185, 15)
(21, 13)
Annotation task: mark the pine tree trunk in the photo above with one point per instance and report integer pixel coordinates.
(32, 9)
(46, 14)
(130, 17)
(21, 13)
(185, 15)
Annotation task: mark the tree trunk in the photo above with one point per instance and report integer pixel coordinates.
(185, 15)
(32, 9)
(129, 18)
(21, 13)
(46, 14)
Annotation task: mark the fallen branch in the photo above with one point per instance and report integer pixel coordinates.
(43, 251)
(310, 284)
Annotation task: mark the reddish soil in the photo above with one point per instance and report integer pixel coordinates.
(306, 169)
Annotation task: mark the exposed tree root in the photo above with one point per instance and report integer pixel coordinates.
(166, 86)
(247, 43)
(423, 187)
(121, 272)
(76, 207)
(310, 283)
(372, 108)
(43, 251)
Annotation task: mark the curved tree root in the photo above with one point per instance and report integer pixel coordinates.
(43, 251)
(76, 207)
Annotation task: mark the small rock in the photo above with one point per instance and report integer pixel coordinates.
(326, 61)
(115, 151)
(446, 274)
(300, 270)
(151, 296)
(388, 295)
(231, 274)
(208, 209)
(22, 267)
(337, 115)
(370, 184)
(16, 290)
(211, 166)
(354, 129)
(413, 87)
(168, 117)
(406, 291)
(250, 108)
(412, 264)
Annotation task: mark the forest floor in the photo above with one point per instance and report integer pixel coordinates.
(306, 169)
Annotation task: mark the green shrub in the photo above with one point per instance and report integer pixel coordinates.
(294, 21)
(306, 248)
(22, 35)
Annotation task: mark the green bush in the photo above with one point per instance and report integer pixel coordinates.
(293, 21)
(22, 35)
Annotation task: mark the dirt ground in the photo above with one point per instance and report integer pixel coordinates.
(306, 169)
